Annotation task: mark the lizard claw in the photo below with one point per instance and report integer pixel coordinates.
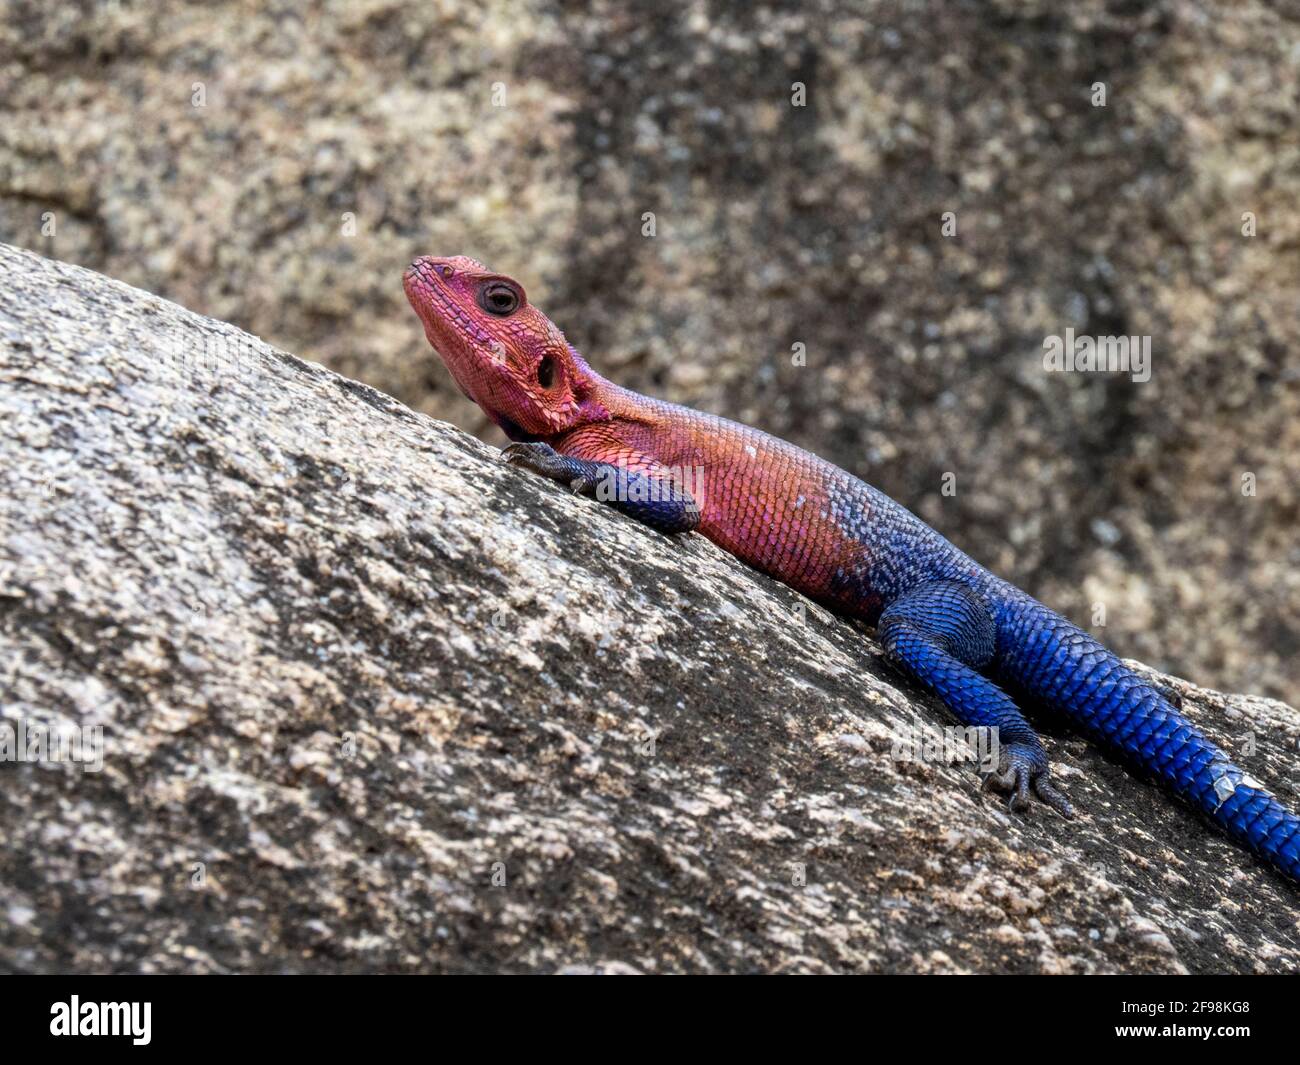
(1170, 695)
(540, 458)
(1020, 769)
(545, 460)
(527, 454)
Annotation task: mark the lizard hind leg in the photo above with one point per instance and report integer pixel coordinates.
(941, 633)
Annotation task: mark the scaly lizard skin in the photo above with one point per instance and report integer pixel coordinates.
(967, 635)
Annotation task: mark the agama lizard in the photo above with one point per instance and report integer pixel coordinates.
(975, 640)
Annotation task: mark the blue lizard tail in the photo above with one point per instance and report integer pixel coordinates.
(1043, 655)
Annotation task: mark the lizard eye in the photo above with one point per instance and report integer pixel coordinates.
(499, 298)
(546, 372)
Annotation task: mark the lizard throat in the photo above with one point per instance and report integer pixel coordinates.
(514, 431)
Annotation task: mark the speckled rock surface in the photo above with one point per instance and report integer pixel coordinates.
(276, 165)
(372, 699)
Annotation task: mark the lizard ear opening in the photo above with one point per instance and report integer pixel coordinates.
(546, 372)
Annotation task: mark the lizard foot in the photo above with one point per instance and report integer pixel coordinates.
(1022, 768)
(544, 460)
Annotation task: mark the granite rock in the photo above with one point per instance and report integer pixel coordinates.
(371, 699)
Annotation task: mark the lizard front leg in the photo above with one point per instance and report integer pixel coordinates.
(643, 493)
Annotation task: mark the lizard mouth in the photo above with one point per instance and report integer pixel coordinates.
(448, 324)
(421, 282)
(452, 329)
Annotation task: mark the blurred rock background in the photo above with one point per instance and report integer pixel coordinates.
(277, 165)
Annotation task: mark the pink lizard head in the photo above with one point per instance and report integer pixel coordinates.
(505, 354)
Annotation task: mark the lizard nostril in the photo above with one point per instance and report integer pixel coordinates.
(443, 270)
